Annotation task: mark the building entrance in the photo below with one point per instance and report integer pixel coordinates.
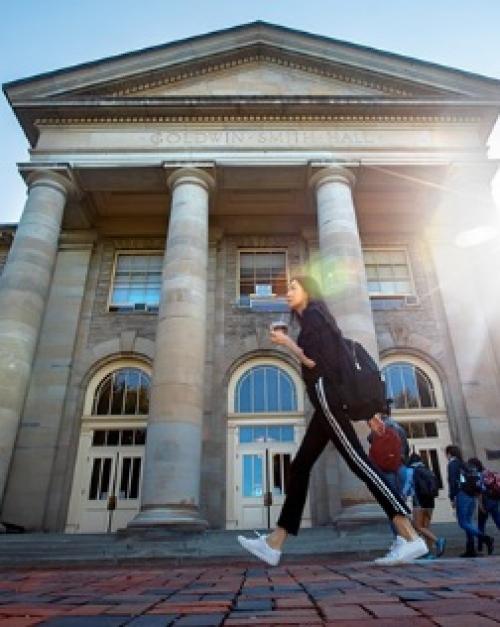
(262, 454)
(107, 484)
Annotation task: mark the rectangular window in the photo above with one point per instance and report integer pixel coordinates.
(262, 274)
(388, 273)
(420, 429)
(136, 282)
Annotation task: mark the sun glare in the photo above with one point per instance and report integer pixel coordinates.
(494, 153)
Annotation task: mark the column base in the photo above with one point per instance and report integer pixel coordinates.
(361, 514)
(169, 519)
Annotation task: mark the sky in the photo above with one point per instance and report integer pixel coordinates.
(42, 35)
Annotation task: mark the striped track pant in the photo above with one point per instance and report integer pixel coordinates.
(326, 427)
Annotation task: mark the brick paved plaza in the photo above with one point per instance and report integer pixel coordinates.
(313, 591)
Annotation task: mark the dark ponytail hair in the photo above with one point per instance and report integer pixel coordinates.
(316, 301)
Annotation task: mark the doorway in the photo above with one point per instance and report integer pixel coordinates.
(258, 472)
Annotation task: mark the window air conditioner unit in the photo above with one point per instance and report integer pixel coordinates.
(411, 300)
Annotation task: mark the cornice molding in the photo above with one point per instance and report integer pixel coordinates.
(196, 119)
(175, 76)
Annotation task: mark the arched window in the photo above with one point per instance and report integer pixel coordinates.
(409, 386)
(265, 389)
(123, 392)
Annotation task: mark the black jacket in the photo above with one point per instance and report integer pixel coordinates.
(454, 466)
(320, 342)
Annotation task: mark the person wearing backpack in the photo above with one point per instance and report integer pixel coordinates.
(465, 486)
(343, 384)
(489, 499)
(388, 444)
(424, 488)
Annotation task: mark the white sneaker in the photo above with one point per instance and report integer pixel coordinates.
(261, 549)
(407, 552)
(387, 559)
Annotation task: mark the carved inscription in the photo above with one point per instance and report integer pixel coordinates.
(255, 138)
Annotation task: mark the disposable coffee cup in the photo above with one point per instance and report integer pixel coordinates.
(279, 325)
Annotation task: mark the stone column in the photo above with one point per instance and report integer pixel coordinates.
(171, 482)
(345, 290)
(24, 288)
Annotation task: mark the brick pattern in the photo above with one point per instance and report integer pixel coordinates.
(447, 592)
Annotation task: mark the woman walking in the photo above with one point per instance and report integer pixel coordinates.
(318, 348)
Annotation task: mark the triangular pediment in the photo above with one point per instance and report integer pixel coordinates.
(260, 78)
(258, 60)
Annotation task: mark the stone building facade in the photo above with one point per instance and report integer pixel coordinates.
(172, 193)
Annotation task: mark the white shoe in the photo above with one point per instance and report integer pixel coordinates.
(407, 552)
(389, 556)
(261, 549)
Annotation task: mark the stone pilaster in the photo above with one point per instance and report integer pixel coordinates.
(24, 288)
(171, 481)
(345, 290)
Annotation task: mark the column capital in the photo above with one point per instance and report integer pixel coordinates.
(43, 176)
(332, 174)
(192, 175)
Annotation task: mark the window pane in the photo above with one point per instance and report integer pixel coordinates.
(287, 393)
(118, 391)
(410, 384)
(287, 433)
(265, 388)
(127, 438)
(113, 438)
(125, 478)
(246, 435)
(99, 437)
(273, 433)
(277, 482)
(94, 479)
(103, 396)
(140, 436)
(259, 390)
(132, 378)
(259, 434)
(252, 476)
(136, 477)
(272, 389)
(394, 383)
(137, 280)
(430, 429)
(144, 394)
(244, 396)
(105, 479)
(425, 390)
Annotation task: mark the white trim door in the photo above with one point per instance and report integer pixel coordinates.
(106, 491)
(258, 473)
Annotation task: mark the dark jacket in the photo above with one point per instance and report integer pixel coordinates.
(320, 342)
(454, 466)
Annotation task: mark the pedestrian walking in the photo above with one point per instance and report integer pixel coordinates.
(464, 482)
(320, 347)
(424, 488)
(489, 502)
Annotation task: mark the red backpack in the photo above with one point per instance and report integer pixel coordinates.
(385, 450)
(491, 482)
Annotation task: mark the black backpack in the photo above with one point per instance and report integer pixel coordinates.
(426, 484)
(361, 389)
(469, 480)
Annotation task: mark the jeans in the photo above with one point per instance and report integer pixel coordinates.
(466, 508)
(396, 479)
(492, 508)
